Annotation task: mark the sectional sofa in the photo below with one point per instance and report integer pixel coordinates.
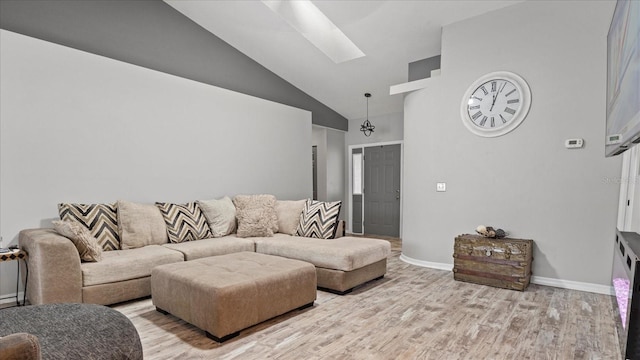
(58, 274)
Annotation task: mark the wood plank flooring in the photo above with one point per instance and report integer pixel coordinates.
(413, 313)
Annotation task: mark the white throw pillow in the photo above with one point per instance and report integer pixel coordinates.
(289, 215)
(220, 214)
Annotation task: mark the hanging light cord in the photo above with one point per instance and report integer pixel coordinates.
(366, 127)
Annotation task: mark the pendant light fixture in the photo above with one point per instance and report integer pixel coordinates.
(366, 127)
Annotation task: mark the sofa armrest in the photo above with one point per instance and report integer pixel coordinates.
(20, 346)
(54, 267)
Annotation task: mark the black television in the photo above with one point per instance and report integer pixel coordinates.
(623, 78)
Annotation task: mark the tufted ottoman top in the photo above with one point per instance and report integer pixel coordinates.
(75, 331)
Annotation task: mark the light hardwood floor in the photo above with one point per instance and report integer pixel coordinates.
(413, 313)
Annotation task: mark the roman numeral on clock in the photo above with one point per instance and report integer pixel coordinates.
(493, 122)
(474, 107)
(514, 101)
(493, 86)
(476, 115)
(483, 121)
(510, 111)
(484, 90)
(477, 98)
(504, 121)
(509, 93)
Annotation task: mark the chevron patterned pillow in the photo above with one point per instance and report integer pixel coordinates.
(100, 219)
(319, 219)
(184, 222)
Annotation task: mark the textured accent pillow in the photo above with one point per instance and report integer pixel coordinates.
(140, 225)
(220, 214)
(184, 222)
(264, 202)
(319, 219)
(100, 219)
(80, 236)
(288, 213)
(254, 222)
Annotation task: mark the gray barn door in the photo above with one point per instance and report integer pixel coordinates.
(382, 190)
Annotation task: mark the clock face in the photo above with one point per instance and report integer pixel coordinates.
(495, 104)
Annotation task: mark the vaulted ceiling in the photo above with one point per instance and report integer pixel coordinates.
(390, 33)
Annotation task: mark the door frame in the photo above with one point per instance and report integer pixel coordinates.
(629, 184)
(350, 178)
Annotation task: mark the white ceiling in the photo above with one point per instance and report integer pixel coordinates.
(390, 33)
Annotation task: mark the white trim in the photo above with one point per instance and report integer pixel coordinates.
(10, 298)
(328, 128)
(539, 280)
(409, 86)
(426, 264)
(382, 143)
(350, 180)
(573, 285)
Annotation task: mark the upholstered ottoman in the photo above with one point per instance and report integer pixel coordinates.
(225, 294)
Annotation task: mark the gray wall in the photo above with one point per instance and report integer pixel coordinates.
(526, 181)
(78, 127)
(389, 127)
(152, 34)
(331, 165)
(421, 69)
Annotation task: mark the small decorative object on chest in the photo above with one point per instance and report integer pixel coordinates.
(504, 263)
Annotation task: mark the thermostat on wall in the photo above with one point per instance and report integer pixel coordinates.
(574, 143)
(614, 139)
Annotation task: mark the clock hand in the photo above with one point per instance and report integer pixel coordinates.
(495, 96)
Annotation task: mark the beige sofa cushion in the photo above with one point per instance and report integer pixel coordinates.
(87, 245)
(140, 225)
(346, 253)
(212, 247)
(127, 264)
(289, 215)
(220, 214)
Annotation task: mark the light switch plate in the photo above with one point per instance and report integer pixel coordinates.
(441, 186)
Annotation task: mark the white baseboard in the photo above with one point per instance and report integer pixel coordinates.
(427, 264)
(573, 285)
(539, 280)
(10, 298)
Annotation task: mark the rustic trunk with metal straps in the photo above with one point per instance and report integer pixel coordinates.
(504, 263)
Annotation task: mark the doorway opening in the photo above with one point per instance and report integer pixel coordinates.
(375, 179)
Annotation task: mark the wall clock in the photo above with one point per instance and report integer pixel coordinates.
(495, 104)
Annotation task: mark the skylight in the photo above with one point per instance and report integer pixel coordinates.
(316, 27)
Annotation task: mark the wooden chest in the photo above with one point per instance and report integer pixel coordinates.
(504, 263)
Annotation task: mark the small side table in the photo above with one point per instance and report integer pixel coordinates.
(17, 255)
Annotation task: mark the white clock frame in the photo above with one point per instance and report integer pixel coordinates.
(519, 116)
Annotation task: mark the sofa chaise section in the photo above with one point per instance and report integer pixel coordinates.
(341, 264)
